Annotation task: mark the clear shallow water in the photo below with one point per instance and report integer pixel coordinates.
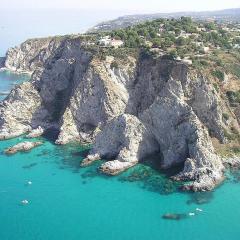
(69, 202)
(8, 81)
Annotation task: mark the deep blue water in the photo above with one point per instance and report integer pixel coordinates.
(69, 202)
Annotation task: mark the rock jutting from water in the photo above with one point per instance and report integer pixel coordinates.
(35, 133)
(22, 147)
(128, 107)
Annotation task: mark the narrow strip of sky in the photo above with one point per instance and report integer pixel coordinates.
(127, 5)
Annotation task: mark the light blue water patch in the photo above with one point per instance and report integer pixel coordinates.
(69, 202)
(8, 80)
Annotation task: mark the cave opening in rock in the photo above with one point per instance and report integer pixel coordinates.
(51, 134)
(155, 162)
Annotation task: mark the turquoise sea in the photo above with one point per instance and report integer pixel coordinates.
(67, 202)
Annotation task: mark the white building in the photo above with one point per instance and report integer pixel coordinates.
(206, 49)
(107, 41)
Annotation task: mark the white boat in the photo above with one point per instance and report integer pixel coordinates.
(24, 202)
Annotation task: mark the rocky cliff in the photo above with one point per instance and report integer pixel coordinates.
(129, 107)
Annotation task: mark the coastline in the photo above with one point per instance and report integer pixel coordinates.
(16, 71)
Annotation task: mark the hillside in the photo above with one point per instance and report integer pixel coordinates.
(130, 20)
(134, 94)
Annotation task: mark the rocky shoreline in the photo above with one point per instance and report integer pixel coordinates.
(129, 109)
(22, 147)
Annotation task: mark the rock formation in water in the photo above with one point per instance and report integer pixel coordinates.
(22, 147)
(128, 107)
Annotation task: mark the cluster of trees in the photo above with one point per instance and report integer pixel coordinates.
(233, 97)
(165, 33)
(137, 36)
(219, 38)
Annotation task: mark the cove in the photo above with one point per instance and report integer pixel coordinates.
(69, 202)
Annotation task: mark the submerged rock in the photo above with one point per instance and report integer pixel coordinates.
(200, 198)
(22, 147)
(175, 216)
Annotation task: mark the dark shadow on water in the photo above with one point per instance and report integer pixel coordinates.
(43, 153)
(29, 166)
(150, 179)
(82, 154)
(70, 156)
(233, 176)
(150, 176)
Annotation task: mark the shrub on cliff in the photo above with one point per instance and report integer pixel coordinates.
(218, 74)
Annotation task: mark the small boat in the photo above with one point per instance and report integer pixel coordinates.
(199, 209)
(24, 202)
(191, 214)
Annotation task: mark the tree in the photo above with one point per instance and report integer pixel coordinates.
(156, 42)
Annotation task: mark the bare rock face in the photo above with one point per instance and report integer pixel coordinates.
(126, 140)
(2, 62)
(22, 147)
(232, 162)
(99, 95)
(208, 107)
(37, 132)
(18, 111)
(129, 108)
(32, 54)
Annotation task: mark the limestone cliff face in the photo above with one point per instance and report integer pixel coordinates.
(130, 108)
(32, 54)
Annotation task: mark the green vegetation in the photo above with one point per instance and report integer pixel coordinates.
(234, 69)
(229, 151)
(184, 35)
(233, 97)
(225, 116)
(215, 85)
(114, 64)
(218, 74)
(236, 150)
(209, 46)
(233, 135)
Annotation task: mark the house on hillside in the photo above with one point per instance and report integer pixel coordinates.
(107, 41)
(206, 49)
(104, 41)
